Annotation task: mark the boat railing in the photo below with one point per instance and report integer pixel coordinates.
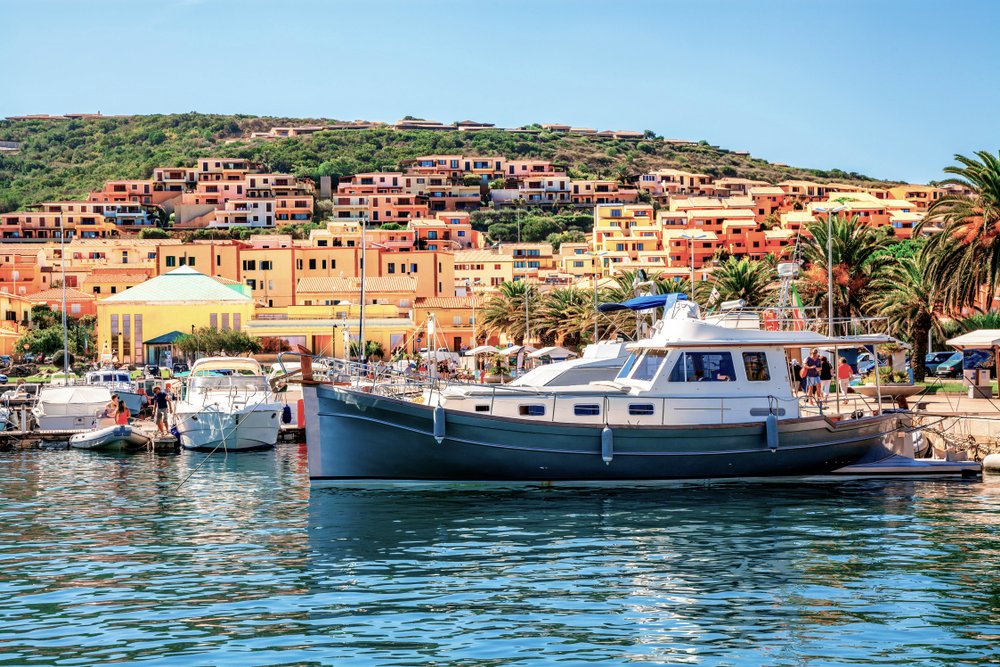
(807, 318)
(385, 380)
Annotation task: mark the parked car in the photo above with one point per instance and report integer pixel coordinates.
(970, 359)
(29, 357)
(3, 379)
(180, 367)
(951, 367)
(866, 364)
(933, 360)
(5, 360)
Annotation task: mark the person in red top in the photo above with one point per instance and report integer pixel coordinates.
(121, 418)
(844, 373)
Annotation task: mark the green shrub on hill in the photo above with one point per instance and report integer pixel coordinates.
(65, 159)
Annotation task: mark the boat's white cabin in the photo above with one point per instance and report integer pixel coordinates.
(688, 372)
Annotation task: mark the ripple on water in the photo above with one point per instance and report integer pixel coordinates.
(104, 559)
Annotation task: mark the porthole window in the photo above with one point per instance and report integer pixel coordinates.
(586, 409)
(641, 409)
(531, 410)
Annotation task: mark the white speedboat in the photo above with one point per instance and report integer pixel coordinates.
(226, 404)
(119, 382)
(72, 407)
(112, 438)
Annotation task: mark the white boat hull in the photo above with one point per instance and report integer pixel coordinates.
(242, 430)
(65, 422)
(110, 438)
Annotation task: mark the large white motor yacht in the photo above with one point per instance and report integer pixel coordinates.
(227, 404)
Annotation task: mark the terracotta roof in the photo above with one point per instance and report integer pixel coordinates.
(463, 256)
(57, 293)
(104, 278)
(373, 284)
(449, 302)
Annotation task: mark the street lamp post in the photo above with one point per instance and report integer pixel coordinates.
(471, 287)
(62, 260)
(596, 266)
(361, 320)
(690, 239)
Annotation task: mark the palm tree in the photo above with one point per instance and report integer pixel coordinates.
(967, 251)
(978, 321)
(373, 349)
(910, 298)
(504, 311)
(858, 259)
(565, 316)
(624, 322)
(747, 279)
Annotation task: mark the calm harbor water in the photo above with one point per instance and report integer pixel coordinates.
(103, 559)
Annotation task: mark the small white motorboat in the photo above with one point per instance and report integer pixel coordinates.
(112, 438)
(227, 404)
(70, 408)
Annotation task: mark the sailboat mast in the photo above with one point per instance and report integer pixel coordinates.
(62, 260)
(361, 321)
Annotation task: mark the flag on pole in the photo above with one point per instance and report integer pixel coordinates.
(714, 296)
(798, 313)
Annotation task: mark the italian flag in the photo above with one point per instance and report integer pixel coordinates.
(798, 314)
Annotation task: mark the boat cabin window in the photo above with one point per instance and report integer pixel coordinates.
(704, 367)
(627, 368)
(531, 410)
(641, 409)
(648, 364)
(586, 409)
(755, 364)
(482, 408)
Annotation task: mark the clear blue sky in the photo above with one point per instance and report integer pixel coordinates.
(888, 88)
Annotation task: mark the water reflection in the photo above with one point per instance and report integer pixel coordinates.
(768, 573)
(110, 558)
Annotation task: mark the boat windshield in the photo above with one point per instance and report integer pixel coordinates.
(627, 368)
(204, 383)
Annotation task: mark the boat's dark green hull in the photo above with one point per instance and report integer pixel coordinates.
(358, 435)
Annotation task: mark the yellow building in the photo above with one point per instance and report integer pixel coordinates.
(326, 329)
(176, 302)
(625, 231)
(485, 269)
(15, 312)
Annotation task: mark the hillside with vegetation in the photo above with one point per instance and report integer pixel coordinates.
(65, 159)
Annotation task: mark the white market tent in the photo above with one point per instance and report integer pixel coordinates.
(514, 350)
(553, 352)
(482, 349)
(982, 339)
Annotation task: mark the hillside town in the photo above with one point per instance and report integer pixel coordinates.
(423, 255)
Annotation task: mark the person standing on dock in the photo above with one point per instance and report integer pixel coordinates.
(825, 376)
(844, 373)
(812, 366)
(121, 418)
(161, 408)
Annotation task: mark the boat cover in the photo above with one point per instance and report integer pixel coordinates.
(78, 400)
(645, 302)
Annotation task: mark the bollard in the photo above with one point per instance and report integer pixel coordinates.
(992, 463)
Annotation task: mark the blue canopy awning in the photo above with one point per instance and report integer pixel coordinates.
(644, 302)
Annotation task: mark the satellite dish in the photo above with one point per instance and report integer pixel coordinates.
(788, 270)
